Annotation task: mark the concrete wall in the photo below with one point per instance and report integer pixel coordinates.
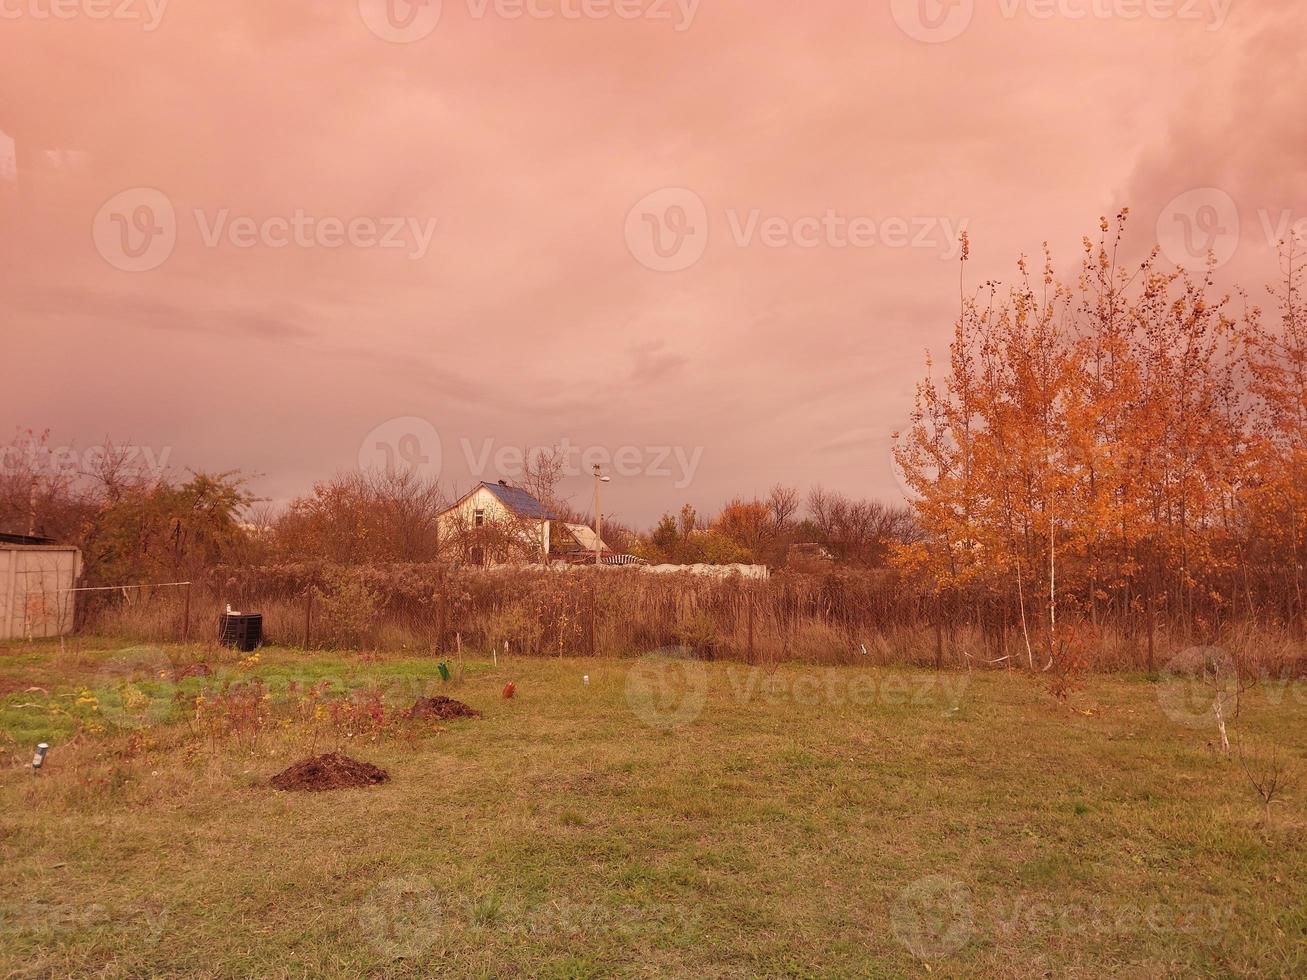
(33, 580)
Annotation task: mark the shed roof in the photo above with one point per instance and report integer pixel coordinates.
(11, 538)
(585, 537)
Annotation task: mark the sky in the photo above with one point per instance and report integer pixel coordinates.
(705, 243)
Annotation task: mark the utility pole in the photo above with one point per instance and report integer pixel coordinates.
(599, 541)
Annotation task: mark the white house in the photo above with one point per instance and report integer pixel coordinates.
(496, 523)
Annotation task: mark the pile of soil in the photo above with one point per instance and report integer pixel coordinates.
(441, 707)
(330, 771)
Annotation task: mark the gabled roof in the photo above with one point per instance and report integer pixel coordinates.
(519, 501)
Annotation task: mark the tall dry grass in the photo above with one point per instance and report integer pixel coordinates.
(875, 618)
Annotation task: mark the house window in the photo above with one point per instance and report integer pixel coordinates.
(478, 556)
(479, 519)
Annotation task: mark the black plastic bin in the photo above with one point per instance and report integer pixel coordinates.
(244, 631)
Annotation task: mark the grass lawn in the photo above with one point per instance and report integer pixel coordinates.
(668, 818)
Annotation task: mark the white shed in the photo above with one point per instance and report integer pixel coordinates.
(35, 584)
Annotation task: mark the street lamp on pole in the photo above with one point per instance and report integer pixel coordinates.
(599, 541)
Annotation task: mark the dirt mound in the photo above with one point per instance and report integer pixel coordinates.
(330, 771)
(441, 707)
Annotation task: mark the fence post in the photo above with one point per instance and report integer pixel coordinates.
(186, 615)
(748, 598)
(308, 617)
(594, 602)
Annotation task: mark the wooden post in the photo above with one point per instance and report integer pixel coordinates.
(939, 632)
(186, 615)
(594, 602)
(308, 618)
(748, 598)
(440, 611)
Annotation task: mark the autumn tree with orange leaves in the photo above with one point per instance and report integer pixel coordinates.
(1125, 450)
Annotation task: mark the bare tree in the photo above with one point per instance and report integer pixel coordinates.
(1270, 778)
(858, 531)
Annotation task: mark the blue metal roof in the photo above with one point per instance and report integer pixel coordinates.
(519, 501)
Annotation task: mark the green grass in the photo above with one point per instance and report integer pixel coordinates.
(820, 822)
